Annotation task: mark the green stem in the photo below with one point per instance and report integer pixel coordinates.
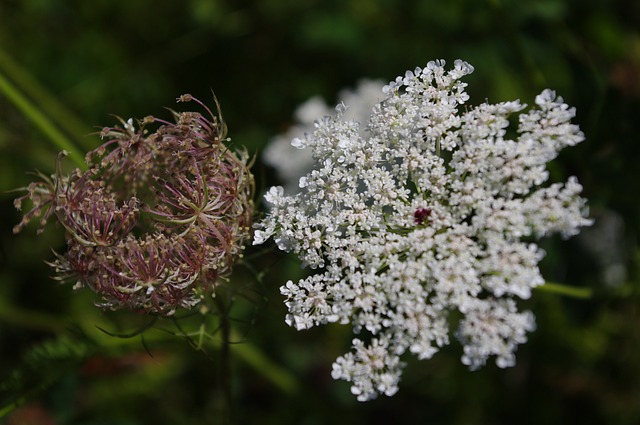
(225, 363)
(278, 375)
(31, 319)
(569, 291)
(53, 108)
(40, 121)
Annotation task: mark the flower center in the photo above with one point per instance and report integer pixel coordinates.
(421, 214)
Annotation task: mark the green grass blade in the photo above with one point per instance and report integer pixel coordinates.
(40, 121)
(48, 103)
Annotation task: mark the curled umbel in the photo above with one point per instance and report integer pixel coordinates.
(157, 218)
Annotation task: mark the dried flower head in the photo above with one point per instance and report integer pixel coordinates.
(157, 218)
(427, 215)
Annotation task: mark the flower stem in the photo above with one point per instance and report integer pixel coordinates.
(225, 359)
(569, 291)
(40, 121)
(47, 102)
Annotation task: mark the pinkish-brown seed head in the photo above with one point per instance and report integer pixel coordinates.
(156, 218)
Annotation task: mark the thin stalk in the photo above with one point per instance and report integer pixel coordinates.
(40, 121)
(566, 290)
(225, 359)
(32, 88)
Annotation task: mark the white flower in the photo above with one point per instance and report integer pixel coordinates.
(493, 327)
(423, 210)
(288, 152)
(371, 368)
(608, 244)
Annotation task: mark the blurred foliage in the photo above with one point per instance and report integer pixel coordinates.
(65, 65)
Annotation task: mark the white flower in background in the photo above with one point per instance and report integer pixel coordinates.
(419, 213)
(292, 162)
(609, 244)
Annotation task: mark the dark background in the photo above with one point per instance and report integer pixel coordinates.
(73, 63)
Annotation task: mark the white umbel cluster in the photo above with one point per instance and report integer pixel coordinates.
(423, 214)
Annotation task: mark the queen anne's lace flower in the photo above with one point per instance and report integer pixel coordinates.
(430, 210)
(286, 153)
(156, 219)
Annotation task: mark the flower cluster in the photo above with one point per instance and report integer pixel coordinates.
(292, 162)
(425, 218)
(156, 219)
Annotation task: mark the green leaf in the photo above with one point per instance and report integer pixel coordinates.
(42, 366)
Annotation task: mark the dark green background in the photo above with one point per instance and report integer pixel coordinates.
(77, 62)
